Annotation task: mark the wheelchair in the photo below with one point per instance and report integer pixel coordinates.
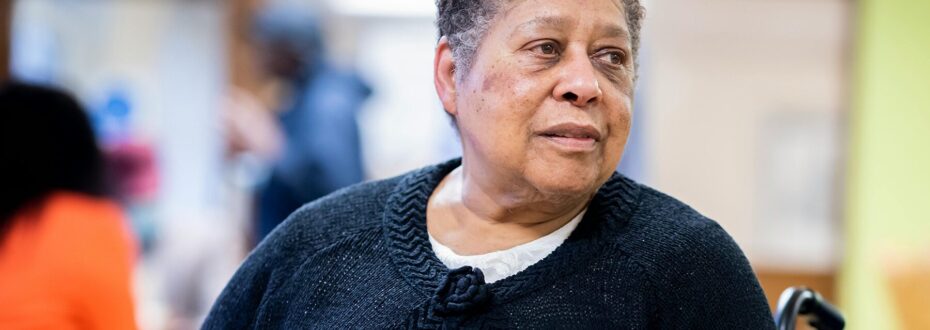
(801, 301)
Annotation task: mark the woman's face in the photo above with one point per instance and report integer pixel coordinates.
(547, 102)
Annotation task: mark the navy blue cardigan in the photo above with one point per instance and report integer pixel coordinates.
(361, 258)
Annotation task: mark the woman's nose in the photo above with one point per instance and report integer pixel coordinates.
(578, 82)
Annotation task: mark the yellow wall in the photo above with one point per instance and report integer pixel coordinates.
(888, 195)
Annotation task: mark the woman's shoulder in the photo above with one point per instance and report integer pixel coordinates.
(358, 207)
(637, 209)
(693, 263)
(663, 232)
(339, 215)
(345, 215)
(351, 208)
(664, 215)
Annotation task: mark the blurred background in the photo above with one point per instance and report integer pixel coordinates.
(802, 126)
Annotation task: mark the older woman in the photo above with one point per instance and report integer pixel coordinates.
(531, 228)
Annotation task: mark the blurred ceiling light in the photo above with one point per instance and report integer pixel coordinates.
(392, 8)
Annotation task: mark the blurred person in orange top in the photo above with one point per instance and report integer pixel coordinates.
(66, 253)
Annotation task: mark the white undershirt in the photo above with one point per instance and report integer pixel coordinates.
(498, 265)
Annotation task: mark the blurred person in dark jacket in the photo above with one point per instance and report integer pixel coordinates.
(66, 253)
(317, 107)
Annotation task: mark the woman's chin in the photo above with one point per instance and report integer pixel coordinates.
(566, 184)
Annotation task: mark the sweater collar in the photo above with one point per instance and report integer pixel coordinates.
(408, 240)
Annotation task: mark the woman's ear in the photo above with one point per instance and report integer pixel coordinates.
(444, 75)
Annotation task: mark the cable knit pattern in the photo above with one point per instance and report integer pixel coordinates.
(407, 235)
(361, 258)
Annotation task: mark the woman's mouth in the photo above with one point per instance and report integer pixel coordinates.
(572, 137)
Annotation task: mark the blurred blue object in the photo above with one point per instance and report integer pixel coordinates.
(112, 118)
(294, 24)
(322, 149)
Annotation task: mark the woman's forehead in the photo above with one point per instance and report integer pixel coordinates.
(604, 18)
(524, 15)
(605, 29)
(581, 6)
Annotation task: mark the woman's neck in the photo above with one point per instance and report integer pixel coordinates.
(474, 218)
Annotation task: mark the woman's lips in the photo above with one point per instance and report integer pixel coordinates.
(572, 137)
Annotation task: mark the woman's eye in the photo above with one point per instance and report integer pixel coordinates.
(614, 58)
(547, 49)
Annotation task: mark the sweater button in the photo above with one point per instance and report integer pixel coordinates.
(462, 291)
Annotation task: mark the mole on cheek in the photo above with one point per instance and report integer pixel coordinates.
(490, 82)
(495, 79)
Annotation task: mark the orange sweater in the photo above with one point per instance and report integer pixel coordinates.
(67, 265)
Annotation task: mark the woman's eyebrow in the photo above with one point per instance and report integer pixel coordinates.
(561, 23)
(614, 31)
(544, 22)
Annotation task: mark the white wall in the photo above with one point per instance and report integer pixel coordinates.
(746, 111)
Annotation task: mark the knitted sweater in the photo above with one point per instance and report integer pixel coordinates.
(361, 258)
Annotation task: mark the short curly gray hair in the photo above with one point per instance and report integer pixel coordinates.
(465, 22)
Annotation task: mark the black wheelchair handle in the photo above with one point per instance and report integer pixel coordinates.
(803, 301)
